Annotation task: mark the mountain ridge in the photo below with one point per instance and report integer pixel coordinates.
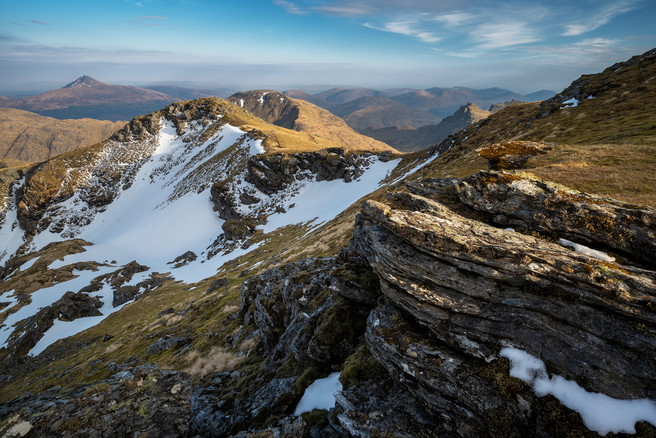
(299, 115)
(408, 139)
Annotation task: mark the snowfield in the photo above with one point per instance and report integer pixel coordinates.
(158, 218)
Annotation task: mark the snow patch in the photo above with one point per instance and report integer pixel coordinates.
(320, 201)
(573, 102)
(7, 297)
(257, 148)
(262, 97)
(599, 255)
(599, 412)
(319, 395)
(63, 329)
(28, 264)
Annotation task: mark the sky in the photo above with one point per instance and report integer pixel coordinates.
(313, 44)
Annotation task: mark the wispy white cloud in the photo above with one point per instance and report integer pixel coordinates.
(600, 18)
(42, 23)
(408, 27)
(503, 34)
(353, 10)
(290, 7)
(455, 19)
(360, 8)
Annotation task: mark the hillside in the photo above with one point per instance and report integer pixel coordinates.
(206, 273)
(444, 101)
(299, 115)
(88, 98)
(378, 112)
(602, 125)
(408, 139)
(29, 137)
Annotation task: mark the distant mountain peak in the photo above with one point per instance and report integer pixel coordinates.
(83, 81)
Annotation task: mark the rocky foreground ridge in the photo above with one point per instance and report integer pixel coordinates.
(416, 313)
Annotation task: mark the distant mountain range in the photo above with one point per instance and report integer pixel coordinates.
(408, 139)
(410, 119)
(185, 93)
(438, 102)
(88, 97)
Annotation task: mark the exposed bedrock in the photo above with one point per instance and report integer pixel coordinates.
(524, 201)
(478, 288)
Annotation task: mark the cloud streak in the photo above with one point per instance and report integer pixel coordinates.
(599, 19)
(290, 7)
(504, 34)
(408, 28)
(40, 22)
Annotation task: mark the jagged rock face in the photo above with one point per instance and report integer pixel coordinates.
(273, 173)
(303, 323)
(296, 311)
(556, 210)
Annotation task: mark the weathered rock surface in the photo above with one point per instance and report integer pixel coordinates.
(141, 401)
(297, 310)
(273, 172)
(478, 288)
(526, 202)
(513, 154)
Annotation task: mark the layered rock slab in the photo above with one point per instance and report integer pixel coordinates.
(478, 288)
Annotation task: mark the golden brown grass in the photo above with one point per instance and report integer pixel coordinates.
(320, 122)
(217, 360)
(623, 171)
(30, 137)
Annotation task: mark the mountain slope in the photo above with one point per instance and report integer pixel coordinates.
(377, 112)
(29, 137)
(87, 97)
(602, 124)
(407, 139)
(145, 199)
(299, 115)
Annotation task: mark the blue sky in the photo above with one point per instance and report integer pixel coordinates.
(520, 45)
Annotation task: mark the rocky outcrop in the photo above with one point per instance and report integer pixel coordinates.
(526, 202)
(459, 290)
(297, 310)
(274, 172)
(141, 401)
(513, 154)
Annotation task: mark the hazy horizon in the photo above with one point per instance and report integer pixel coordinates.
(319, 44)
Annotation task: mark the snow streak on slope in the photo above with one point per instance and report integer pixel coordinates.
(162, 208)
